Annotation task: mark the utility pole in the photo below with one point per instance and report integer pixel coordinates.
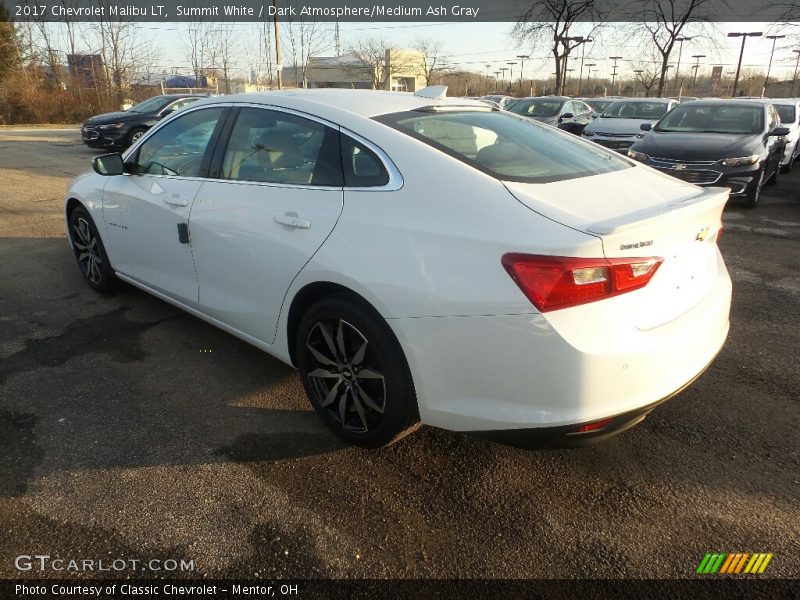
(278, 63)
(614, 72)
(639, 73)
(503, 71)
(696, 68)
(680, 41)
(511, 74)
(582, 41)
(521, 58)
(744, 35)
(496, 78)
(774, 39)
(338, 40)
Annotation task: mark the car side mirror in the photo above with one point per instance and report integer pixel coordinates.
(108, 165)
(164, 114)
(779, 131)
(595, 114)
(646, 126)
(568, 115)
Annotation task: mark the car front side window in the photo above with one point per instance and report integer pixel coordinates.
(178, 148)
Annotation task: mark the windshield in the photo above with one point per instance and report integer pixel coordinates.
(723, 118)
(153, 104)
(786, 112)
(651, 111)
(507, 147)
(536, 107)
(599, 106)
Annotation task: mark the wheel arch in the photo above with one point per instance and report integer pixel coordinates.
(310, 294)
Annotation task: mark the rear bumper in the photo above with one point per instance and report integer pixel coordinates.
(553, 373)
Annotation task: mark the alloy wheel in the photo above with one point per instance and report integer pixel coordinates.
(346, 380)
(137, 135)
(87, 250)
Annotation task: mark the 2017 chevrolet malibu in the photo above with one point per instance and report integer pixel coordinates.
(735, 143)
(418, 259)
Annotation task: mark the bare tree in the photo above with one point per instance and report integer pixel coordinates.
(432, 58)
(196, 39)
(647, 72)
(225, 48)
(370, 61)
(550, 21)
(663, 22)
(315, 38)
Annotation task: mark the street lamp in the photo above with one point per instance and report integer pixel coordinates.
(639, 73)
(774, 39)
(511, 74)
(614, 72)
(582, 42)
(496, 78)
(796, 62)
(744, 35)
(696, 68)
(521, 58)
(589, 75)
(680, 41)
(503, 71)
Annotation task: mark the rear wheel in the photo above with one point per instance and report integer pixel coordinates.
(355, 374)
(754, 196)
(90, 254)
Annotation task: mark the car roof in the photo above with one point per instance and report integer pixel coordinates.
(640, 100)
(327, 102)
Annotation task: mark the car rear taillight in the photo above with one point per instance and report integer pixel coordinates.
(596, 426)
(554, 282)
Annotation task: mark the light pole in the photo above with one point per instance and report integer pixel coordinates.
(496, 78)
(614, 72)
(589, 75)
(774, 39)
(696, 68)
(503, 71)
(744, 35)
(639, 73)
(521, 58)
(567, 76)
(680, 41)
(796, 62)
(511, 73)
(583, 41)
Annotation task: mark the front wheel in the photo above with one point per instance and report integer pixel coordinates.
(753, 197)
(355, 374)
(90, 254)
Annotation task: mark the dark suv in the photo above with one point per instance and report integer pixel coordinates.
(118, 130)
(733, 143)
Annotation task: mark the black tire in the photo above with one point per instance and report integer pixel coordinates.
(363, 392)
(751, 201)
(90, 254)
(774, 179)
(787, 168)
(134, 135)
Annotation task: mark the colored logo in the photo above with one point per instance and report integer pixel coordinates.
(739, 563)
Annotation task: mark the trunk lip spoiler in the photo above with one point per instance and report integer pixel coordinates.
(709, 197)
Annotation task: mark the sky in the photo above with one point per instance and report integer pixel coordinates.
(472, 46)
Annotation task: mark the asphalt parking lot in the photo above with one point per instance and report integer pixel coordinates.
(131, 429)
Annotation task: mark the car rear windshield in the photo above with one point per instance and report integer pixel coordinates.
(598, 105)
(636, 110)
(151, 104)
(507, 147)
(786, 112)
(706, 118)
(536, 108)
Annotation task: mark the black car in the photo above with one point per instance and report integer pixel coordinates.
(558, 111)
(737, 144)
(118, 130)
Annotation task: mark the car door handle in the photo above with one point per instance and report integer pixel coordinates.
(176, 201)
(293, 221)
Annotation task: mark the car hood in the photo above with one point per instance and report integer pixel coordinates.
(114, 117)
(697, 146)
(629, 126)
(549, 120)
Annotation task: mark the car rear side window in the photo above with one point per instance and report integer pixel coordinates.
(362, 167)
(271, 146)
(507, 147)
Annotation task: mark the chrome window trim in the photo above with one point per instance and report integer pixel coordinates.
(395, 177)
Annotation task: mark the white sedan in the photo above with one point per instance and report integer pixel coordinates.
(419, 259)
